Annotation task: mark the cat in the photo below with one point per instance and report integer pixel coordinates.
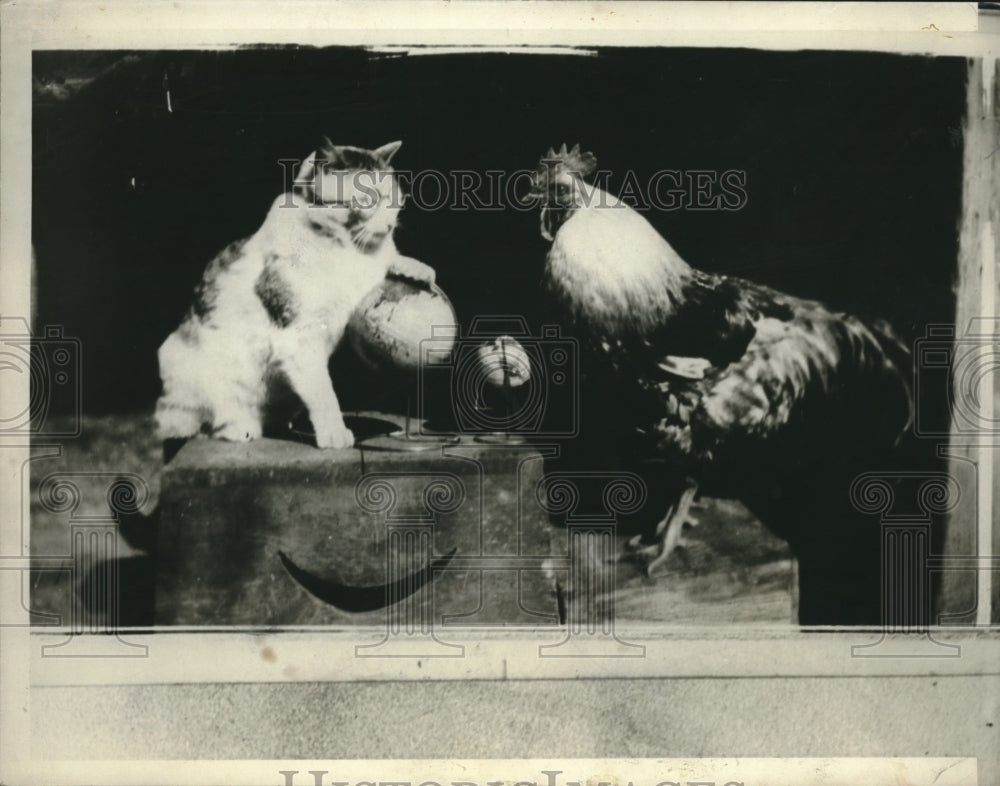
(275, 305)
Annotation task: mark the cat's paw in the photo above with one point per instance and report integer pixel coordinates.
(414, 270)
(337, 438)
(238, 431)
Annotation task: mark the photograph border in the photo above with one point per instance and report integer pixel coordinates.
(32, 658)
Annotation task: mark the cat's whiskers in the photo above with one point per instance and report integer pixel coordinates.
(362, 237)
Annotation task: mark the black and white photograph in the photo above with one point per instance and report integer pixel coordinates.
(543, 393)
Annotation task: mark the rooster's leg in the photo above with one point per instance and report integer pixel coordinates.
(668, 531)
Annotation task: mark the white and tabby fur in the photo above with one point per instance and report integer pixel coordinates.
(278, 303)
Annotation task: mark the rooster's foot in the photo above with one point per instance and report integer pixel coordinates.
(668, 534)
(649, 556)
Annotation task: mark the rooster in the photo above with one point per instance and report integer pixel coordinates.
(754, 393)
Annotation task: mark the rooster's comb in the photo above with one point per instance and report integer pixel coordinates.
(583, 164)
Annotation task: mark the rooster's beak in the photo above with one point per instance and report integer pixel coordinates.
(531, 197)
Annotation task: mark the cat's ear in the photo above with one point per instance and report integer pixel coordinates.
(386, 152)
(306, 174)
(328, 152)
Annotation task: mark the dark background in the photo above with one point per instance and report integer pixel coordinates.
(853, 182)
(853, 166)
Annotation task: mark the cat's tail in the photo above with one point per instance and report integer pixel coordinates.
(138, 530)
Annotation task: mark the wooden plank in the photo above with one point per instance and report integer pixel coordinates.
(970, 594)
